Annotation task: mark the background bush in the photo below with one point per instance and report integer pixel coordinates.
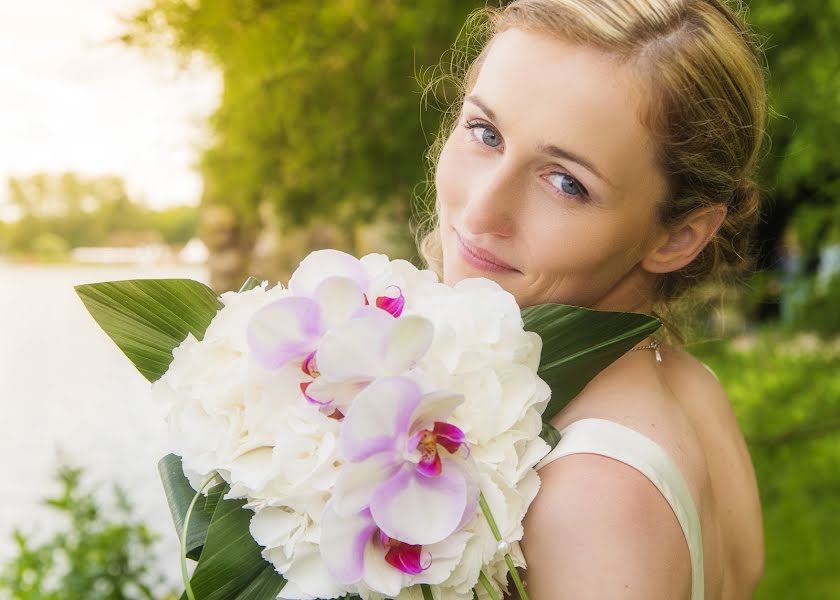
(101, 553)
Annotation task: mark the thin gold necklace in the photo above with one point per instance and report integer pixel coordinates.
(654, 345)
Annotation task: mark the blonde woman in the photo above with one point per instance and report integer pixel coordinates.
(602, 154)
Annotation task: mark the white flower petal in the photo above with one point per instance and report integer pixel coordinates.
(416, 509)
(343, 543)
(275, 526)
(309, 574)
(407, 342)
(354, 349)
(357, 481)
(252, 469)
(435, 406)
(379, 575)
(339, 298)
(338, 394)
(445, 556)
(379, 417)
(319, 265)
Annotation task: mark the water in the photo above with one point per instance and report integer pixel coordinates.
(68, 394)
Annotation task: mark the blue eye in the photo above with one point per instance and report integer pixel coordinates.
(569, 185)
(488, 135)
(485, 134)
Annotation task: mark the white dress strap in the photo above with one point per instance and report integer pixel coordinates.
(616, 441)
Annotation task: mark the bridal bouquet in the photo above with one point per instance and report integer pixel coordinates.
(365, 431)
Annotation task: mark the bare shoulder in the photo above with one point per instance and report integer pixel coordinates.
(600, 529)
(682, 406)
(656, 400)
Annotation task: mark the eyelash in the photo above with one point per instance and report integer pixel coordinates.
(584, 195)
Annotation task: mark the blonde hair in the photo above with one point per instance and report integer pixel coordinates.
(707, 114)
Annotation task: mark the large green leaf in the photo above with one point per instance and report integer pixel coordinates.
(231, 565)
(179, 494)
(148, 318)
(578, 343)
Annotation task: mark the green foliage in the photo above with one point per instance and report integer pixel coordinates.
(819, 309)
(59, 212)
(804, 89)
(811, 291)
(49, 246)
(320, 107)
(176, 225)
(577, 344)
(148, 318)
(786, 394)
(101, 555)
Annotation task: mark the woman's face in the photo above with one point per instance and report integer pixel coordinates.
(551, 171)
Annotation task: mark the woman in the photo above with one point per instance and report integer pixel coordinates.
(603, 157)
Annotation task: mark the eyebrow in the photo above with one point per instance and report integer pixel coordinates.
(544, 148)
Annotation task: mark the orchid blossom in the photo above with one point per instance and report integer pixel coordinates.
(405, 459)
(354, 549)
(369, 346)
(329, 291)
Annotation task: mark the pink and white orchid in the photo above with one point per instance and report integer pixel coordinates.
(290, 328)
(327, 288)
(403, 459)
(356, 551)
(329, 291)
(360, 350)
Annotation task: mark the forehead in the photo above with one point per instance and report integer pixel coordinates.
(546, 90)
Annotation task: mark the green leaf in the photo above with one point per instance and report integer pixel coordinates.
(231, 565)
(179, 494)
(549, 434)
(249, 284)
(578, 343)
(148, 318)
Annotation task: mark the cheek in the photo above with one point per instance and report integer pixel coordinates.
(590, 243)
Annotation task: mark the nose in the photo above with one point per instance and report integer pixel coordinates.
(491, 203)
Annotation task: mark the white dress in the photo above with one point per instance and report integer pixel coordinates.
(616, 441)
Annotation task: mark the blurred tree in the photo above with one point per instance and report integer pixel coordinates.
(176, 225)
(81, 210)
(804, 62)
(320, 108)
(67, 210)
(803, 57)
(62, 211)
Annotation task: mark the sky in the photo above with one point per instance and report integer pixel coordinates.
(72, 99)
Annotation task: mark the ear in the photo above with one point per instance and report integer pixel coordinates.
(682, 242)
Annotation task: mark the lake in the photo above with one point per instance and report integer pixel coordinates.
(67, 394)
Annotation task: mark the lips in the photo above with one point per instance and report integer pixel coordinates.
(483, 254)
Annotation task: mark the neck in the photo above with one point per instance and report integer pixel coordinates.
(631, 293)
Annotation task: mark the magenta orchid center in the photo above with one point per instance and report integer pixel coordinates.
(310, 368)
(393, 306)
(405, 557)
(445, 434)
